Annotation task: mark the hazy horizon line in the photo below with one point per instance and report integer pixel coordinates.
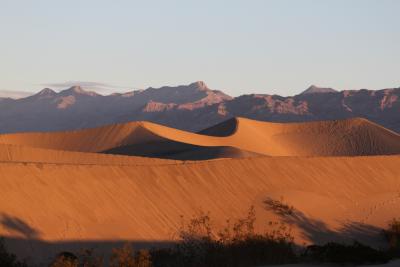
(109, 88)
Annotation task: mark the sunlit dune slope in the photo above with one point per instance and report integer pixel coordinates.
(26, 154)
(135, 138)
(242, 137)
(325, 138)
(114, 202)
(65, 186)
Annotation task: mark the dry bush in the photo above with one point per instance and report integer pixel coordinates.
(88, 259)
(199, 227)
(392, 235)
(125, 257)
(237, 244)
(8, 259)
(143, 258)
(65, 259)
(244, 228)
(355, 253)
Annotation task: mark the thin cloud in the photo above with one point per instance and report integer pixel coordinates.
(87, 85)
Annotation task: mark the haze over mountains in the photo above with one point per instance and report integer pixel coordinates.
(192, 107)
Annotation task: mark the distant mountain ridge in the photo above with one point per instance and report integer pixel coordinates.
(192, 107)
(313, 89)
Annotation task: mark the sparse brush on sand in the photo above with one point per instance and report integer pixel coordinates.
(201, 245)
(237, 244)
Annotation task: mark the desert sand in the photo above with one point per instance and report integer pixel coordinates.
(60, 191)
(350, 137)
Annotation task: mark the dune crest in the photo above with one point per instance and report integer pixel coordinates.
(90, 185)
(236, 137)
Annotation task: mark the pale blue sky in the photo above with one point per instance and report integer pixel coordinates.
(276, 46)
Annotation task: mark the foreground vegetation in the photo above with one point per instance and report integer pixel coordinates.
(236, 245)
(392, 235)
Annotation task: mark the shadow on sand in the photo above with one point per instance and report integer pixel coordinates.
(319, 232)
(17, 226)
(40, 253)
(26, 243)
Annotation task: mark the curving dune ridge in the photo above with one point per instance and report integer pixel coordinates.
(326, 138)
(67, 190)
(233, 138)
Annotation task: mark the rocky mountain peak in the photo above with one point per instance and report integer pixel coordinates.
(313, 89)
(77, 90)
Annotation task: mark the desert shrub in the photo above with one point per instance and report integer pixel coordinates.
(166, 257)
(122, 257)
(8, 259)
(355, 253)
(125, 257)
(201, 245)
(235, 245)
(143, 258)
(88, 259)
(392, 235)
(65, 259)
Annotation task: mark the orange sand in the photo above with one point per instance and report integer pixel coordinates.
(52, 194)
(347, 137)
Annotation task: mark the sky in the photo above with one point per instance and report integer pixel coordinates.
(240, 47)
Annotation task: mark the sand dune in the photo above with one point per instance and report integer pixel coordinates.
(326, 138)
(66, 187)
(26, 154)
(243, 137)
(334, 198)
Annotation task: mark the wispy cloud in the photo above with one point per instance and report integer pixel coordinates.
(91, 86)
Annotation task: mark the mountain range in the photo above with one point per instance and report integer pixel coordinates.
(192, 107)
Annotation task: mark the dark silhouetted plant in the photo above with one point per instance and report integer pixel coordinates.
(355, 253)
(125, 257)
(88, 259)
(65, 259)
(236, 245)
(392, 235)
(8, 259)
